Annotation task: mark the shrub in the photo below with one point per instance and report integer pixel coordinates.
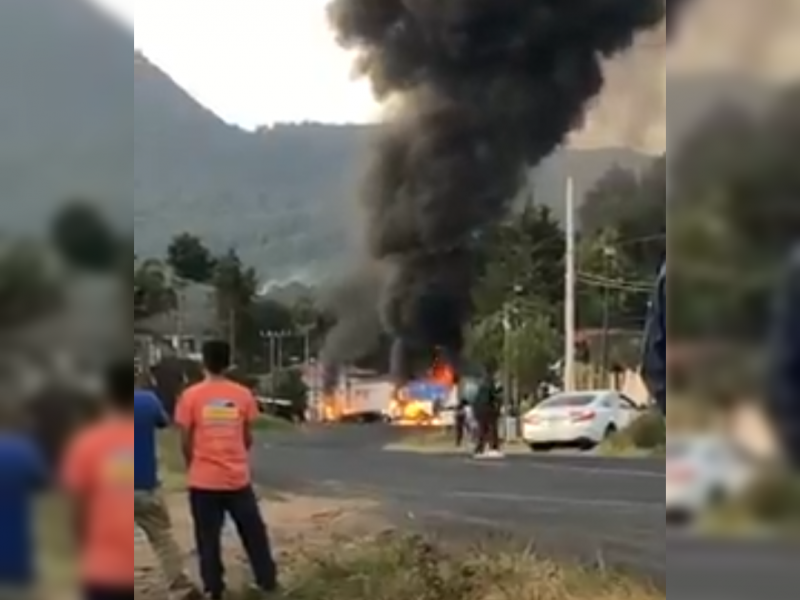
(646, 434)
(775, 499)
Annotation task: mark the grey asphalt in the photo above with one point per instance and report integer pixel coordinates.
(606, 511)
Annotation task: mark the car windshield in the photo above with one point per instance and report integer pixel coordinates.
(569, 401)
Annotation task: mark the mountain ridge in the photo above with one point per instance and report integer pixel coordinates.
(284, 196)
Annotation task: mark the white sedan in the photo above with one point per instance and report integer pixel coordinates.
(702, 471)
(582, 419)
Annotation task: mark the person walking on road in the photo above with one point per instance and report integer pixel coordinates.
(151, 514)
(216, 418)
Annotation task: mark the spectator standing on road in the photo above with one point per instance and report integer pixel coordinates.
(98, 474)
(467, 391)
(216, 418)
(150, 511)
(23, 474)
(654, 361)
(486, 410)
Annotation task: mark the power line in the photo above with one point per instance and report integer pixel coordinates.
(606, 282)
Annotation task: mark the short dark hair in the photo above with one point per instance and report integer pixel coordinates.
(216, 356)
(120, 382)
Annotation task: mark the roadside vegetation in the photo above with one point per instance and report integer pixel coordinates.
(771, 506)
(398, 567)
(645, 437)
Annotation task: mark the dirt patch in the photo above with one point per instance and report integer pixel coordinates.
(298, 525)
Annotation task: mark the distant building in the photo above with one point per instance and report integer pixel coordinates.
(182, 331)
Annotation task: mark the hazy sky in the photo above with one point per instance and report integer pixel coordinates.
(253, 62)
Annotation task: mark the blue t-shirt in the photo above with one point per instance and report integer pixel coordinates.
(23, 473)
(150, 417)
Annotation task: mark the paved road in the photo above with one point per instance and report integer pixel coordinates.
(597, 509)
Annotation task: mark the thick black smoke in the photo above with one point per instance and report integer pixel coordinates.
(478, 91)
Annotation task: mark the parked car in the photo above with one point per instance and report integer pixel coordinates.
(580, 419)
(702, 471)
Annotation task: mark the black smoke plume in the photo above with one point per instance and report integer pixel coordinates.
(477, 92)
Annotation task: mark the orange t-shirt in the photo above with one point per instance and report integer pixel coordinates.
(218, 412)
(99, 469)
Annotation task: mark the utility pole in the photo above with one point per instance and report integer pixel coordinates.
(508, 367)
(608, 257)
(276, 354)
(570, 281)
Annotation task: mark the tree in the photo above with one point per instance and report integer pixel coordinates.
(606, 296)
(525, 252)
(632, 207)
(85, 239)
(190, 259)
(523, 339)
(236, 287)
(152, 294)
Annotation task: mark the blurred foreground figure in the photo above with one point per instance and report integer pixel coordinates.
(98, 475)
(216, 417)
(654, 361)
(22, 475)
(151, 513)
(783, 394)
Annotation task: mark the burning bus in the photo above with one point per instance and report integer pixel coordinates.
(421, 401)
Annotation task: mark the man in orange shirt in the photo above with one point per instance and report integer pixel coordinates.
(216, 418)
(98, 474)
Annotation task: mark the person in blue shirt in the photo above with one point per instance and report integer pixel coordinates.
(23, 474)
(783, 382)
(654, 361)
(151, 514)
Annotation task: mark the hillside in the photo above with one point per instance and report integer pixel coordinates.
(65, 106)
(284, 196)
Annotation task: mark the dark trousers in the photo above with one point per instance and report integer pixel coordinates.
(460, 429)
(488, 430)
(93, 592)
(209, 509)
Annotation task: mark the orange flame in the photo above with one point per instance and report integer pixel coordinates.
(442, 373)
